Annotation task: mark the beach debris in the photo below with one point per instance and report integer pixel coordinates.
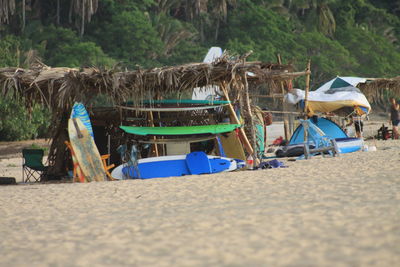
(250, 162)
(272, 164)
(7, 181)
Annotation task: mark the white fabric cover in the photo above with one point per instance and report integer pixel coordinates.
(344, 96)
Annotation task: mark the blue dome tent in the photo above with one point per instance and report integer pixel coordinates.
(345, 143)
(330, 129)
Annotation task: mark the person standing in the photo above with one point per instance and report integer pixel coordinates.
(395, 117)
(358, 125)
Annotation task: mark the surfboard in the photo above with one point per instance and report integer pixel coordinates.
(181, 130)
(208, 92)
(86, 152)
(79, 111)
(168, 166)
(174, 105)
(232, 146)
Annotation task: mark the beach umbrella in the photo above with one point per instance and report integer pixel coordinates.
(341, 82)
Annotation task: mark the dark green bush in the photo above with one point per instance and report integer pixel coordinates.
(16, 123)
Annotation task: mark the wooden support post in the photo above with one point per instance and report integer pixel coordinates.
(235, 119)
(285, 117)
(152, 125)
(307, 89)
(306, 96)
(251, 121)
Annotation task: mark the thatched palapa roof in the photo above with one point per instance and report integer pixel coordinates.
(59, 88)
(377, 90)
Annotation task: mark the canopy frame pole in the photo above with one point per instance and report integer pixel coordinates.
(245, 140)
(285, 116)
(308, 70)
(307, 88)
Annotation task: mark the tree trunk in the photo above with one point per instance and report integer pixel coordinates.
(23, 16)
(83, 18)
(217, 30)
(201, 30)
(58, 152)
(58, 13)
(71, 6)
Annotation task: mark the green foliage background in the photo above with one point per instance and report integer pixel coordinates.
(341, 37)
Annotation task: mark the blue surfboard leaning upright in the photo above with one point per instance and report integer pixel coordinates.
(79, 111)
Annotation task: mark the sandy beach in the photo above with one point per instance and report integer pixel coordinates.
(341, 211)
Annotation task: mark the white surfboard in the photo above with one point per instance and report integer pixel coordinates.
(208, 92)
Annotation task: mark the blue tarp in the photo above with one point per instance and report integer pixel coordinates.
(330, 129)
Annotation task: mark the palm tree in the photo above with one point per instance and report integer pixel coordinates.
(219, 13)
(326, 23)
(7, 8)
(23, 15)
(326, 19)
(85, 10)
(196, 11)
(171, 32)
(164, 6)
(279, 6)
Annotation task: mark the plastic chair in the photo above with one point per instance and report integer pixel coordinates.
(32, 166)
(107, 167)
(77, 172)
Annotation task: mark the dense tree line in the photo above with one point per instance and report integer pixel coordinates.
(341, 37)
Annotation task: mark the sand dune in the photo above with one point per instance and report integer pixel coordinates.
(321, 212)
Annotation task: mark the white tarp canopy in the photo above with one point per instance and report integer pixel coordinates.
(337, 93)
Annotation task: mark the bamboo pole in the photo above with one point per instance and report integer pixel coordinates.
(152, 125)
(235, 119)
(307, 88)
(306, 98)
(285, 116)
(250, 119)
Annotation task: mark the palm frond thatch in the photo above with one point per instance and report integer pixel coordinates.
(59, 88)
(377, 90)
